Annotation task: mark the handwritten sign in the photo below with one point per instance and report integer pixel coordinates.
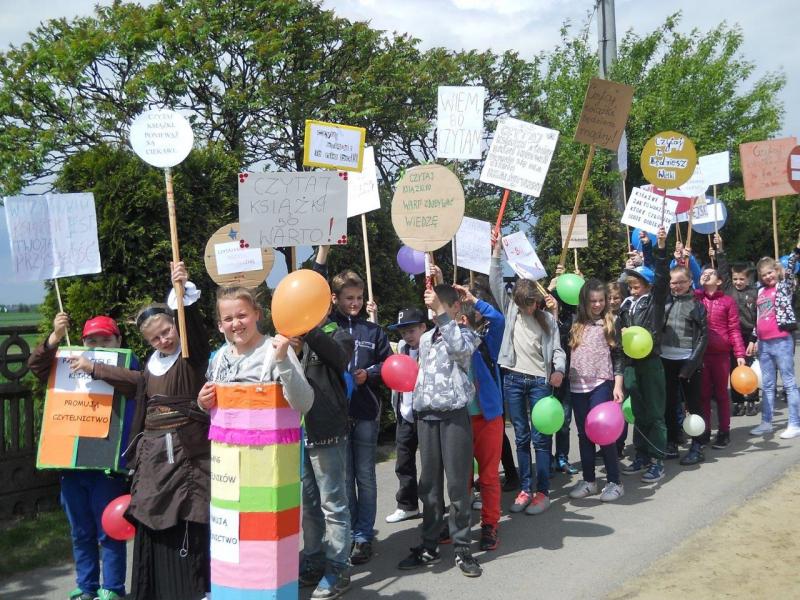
(162, 138)
(232, 261)
(521, 256)
(704, 216)
(764, 168)
(293, 208)
(793, 168)
(644, 211)
(696, 186)
(225, 481)
(668, 159)
(604, 114)
(362, 188)
(333, 146)
(427, 207)
(224, 526)
(459, 122)
(474, 245)
(580, 231)
(54, 235)
(716, 167)
(519, 156)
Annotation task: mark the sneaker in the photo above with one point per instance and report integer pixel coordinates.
(583, 489)
(488, 537)
(751, 409)
(511, 484)
(103, 594)
(762, 429)
(419, 557)
(539, 503)
(79, 594)
(467, 563)
(723, 440)
(444, 535)
(693, 457)
(654, 472)
(638, 465)
(792, 431)
(612, 491)
(564, 466)
(738, 409)
(521, 502)
(401, 515)
(310, 575)
(672, 451)
(332, 585)
(477, 502)
(361, 553)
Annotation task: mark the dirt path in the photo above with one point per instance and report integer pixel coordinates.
(752, 552)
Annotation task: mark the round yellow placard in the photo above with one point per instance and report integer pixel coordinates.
(668, 159)
(427, 207)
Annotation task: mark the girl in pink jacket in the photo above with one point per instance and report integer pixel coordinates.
(724, 337)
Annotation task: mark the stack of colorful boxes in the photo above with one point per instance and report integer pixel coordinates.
(255, 494)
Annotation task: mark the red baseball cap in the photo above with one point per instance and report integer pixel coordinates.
(101, 325)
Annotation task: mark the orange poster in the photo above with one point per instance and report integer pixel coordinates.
(765, 168)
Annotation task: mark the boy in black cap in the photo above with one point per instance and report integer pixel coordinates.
(410, 325)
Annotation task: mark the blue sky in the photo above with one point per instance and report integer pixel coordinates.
(527, 26)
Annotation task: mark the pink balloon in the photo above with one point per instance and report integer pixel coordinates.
(399, 373)
(604, 423)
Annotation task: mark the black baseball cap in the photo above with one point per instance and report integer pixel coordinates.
(408, 316)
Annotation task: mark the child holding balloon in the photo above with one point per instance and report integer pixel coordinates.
(774, 343)
(644, 376)
(86, 493)
(595, 377)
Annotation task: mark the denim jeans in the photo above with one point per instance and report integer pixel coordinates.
(772, 354)
(562, 435)
(84, 496)
(521, 393)
(582, 404)
(362, 484)
(326, 510)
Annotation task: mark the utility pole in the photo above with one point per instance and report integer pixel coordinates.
(607, 54)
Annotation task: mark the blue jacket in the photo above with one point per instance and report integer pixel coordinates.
(487, 383)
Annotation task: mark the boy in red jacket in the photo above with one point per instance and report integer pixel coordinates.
(724, 337)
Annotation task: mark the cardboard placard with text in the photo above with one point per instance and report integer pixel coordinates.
(459, 121)
(716, 167)
(765, 168)
(474, 245)
(333, 146)
(644, 210)
(580, 231)
(668, 159)
(604, 114)
(231, 261)
(522, 258)
(362, 188)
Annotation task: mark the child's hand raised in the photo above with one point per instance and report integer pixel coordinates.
(464, 293)
(661, 236)
(432, 301)
(281, 345)
(179, 273)
(60, 325)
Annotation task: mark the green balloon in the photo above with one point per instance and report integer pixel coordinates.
(627, 410)
(547, 415)
(569, 287)
(637, 342)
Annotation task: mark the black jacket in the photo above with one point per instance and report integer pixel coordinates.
(745, 299)
(649, 311)
(326, 352)
(699, 325)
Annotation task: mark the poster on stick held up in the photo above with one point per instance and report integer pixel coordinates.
(459, 122)
(716, 167)
(765, 169)
(668, 159)
(54, 235)
(645, 209)
(362, 188)
(604, 114)
(521, 256)
(293, 208)
(474, 246)
(580, 231)
(519, 156)
(333, 146)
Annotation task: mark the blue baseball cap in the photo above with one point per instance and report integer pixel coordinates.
(644, 273)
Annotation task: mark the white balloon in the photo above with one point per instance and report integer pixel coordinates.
(757, 370)
(694, 425)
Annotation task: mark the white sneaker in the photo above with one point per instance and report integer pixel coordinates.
(583, 489)
(612, 491)
(792, 431)
(401, 515)
(762, 429)
(477, 501)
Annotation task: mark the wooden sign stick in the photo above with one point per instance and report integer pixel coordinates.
(678, 231)
(500, 214)
(625, 202)
(471, 278)
(691, 217)
(775, 227)
(575, 252)
(366, 259)
(584, 178)
(710, 243)
(541, 289)
(61, 306)
(663, 206)
(176, 258)
(455, 261)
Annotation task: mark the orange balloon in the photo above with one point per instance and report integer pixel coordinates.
(300, 302)
(744, 380)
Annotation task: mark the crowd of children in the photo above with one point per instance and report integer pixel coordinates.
(490, 353)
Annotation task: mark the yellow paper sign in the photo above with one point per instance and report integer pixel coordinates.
(225, 480)
(668, 159)
(270, 466)
(334, 146)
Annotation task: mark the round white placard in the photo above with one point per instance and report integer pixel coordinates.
(162, 138)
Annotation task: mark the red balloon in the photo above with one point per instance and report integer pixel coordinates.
(604, 423)
(399, 373)
(114, 522)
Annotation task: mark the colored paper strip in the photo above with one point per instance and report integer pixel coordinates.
(250, 396)
(269, 418)
(253, 437)
(290, 591)
(264, 499)
(269, 526)
(262, 565)
(269, 466)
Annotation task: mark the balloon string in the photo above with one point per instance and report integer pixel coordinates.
(657, 449)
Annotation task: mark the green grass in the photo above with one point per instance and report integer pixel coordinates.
(34, 542)
(19, 318)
